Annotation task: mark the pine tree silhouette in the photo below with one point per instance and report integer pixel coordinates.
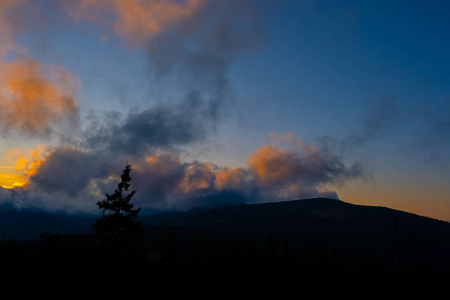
(119, 218)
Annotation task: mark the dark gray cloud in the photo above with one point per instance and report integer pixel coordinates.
(69, 171)
(67, 179)
(138, 132)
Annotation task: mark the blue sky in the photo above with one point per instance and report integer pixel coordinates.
(366, 82)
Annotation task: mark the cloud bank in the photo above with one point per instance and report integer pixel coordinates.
(72, 179)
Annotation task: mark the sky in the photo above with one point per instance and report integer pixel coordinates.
(216, 102)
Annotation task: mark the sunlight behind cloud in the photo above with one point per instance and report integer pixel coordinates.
(23, 164)
(8, 179)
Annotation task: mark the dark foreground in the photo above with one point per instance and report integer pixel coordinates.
(197, 251)
(321, 239)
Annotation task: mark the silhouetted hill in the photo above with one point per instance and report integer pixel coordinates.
(317, 225)
(28, 224)
(319, 235)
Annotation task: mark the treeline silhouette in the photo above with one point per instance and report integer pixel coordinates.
(172, 249)
(194, 248)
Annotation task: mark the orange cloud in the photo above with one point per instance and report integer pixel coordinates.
(33, 97)
(299, 171)
(271, 165)
(134, 20)
(28, 161)
(228, 179)
(290, 139)
(33, 160)
(286, 138)
(166, 173)
(197, 177)
(190, 177)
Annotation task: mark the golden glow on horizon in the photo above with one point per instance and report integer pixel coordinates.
(10, 181)
(26, 163)
(397, 193)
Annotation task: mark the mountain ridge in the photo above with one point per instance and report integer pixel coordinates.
(319, 208)
(28, 224)
(323, 224)
(309, 229)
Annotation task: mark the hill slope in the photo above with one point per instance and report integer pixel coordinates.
(27, 225)
(324, 225)
(310, 230)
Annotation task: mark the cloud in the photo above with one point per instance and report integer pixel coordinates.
(423, 127)
(197, 53)
(299, 172)
(10, 23)
(161, 127)
(232, 179)
(134, 20)
(21, 165)
(64, 179)
(34, 97)
(27, 161)
(69, 170)
(165, 181)
(382, 119)
(190, 44)
(72, 179)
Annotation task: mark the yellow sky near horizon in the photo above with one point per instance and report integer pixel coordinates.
(401, 194)
(10, 177)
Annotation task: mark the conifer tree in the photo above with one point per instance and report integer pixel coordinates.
(119, 218)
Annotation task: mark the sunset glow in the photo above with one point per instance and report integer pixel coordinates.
(10, 181)
(25, 163)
